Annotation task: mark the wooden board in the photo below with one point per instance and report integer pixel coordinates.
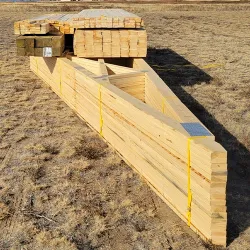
(186, 171)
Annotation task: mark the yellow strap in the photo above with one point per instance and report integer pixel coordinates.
(189, 191)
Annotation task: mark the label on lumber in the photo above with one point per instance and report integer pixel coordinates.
(47, 52)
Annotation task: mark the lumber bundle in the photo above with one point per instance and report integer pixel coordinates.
(106, 18)
(31, 27)
(98, 33)
(110, 43)
(46, 46)
(60, 24)
(165, 143)
(51, 23)
(87, 19)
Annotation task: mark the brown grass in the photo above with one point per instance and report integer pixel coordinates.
(62, 187)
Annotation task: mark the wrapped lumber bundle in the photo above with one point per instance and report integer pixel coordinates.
(110, 43)
(106, 18)
(46, 46)
(134, 110)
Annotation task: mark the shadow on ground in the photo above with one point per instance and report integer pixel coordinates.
(176, 71)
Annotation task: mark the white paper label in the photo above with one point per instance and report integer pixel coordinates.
(47, 52)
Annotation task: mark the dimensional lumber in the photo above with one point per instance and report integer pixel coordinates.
(51, 23)
(98, 33)
(87, 19)
(106, 18)
(32, 27)
(152, 130)
(98, 43)
(40, 45)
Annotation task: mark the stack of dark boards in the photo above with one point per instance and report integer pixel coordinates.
(40, 45)
(98, 33)
(154, 132)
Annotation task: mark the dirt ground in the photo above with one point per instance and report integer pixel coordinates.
(63, 187)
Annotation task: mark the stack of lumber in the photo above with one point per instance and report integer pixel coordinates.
(31, 27)
(86, 19)
(60, 23)
(97, 33)
(106, 18)
(109, 33)
(174, 152)
(46, 46)
(110, 43)
(51, 23)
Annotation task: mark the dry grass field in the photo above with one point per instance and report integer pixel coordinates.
(63, 187)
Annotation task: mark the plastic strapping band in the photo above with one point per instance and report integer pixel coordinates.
(189, 191)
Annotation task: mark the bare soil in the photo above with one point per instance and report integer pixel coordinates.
(63, 187)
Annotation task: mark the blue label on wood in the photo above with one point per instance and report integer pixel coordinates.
(195, 129)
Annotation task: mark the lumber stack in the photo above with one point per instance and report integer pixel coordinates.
(174, 152)
(60, 23)
(106, 18)
(31, 27)
(46, 46)
(98, 33)
(50, 23)
(109, 33)
(110, 43)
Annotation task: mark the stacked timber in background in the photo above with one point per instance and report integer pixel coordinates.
(45, 46)
(51, 23)
(99, 43)
(99, 33)
(60, 24)
(134, 110)
(107, 18)
(31, 27)
(109, 33)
